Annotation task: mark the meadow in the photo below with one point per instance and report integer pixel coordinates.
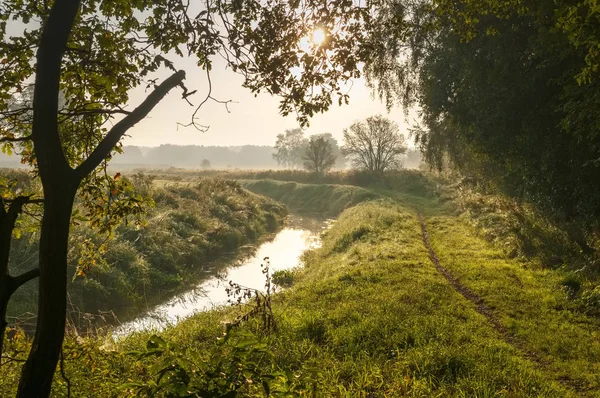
(409, 295)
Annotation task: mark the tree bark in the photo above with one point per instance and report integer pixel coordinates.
(38, 371)
(5, 294)
(60, 185)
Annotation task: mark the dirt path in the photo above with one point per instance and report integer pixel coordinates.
(487, 312)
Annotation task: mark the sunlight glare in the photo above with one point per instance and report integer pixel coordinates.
(318, 36)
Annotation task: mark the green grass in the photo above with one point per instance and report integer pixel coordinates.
(322, 199)
(531, 302)
(190, 226)
(368, 316)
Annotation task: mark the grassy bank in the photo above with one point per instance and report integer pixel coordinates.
(368, 316)
(324, 199)
(189, 227)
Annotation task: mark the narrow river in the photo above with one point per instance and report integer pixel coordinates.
(284, 251)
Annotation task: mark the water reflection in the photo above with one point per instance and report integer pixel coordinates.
(300, 234)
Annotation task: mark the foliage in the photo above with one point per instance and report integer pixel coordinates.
(283, 278)
(235, 364)
(260, 303)
(374, 144)
(340, 159)
(506, 90)
(319, 156)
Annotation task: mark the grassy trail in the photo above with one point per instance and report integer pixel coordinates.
(522, 307)
(482, 308)
(528, 306)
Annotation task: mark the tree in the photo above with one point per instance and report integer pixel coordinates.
(93, 53)
(205, 164)
(374, 144)
(509, 93)
(289, 148)
(340, 159)
(319, 156)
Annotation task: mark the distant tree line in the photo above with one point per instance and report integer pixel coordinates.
(195, 156)
(374, 145)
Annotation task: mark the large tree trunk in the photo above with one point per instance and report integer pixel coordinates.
(38, 371)
(4, 297)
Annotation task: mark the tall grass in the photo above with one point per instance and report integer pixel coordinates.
(368, 316)
(189, 227)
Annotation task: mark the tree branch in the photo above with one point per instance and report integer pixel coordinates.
(114, 135)
(16, 139)
(7, 225)
(18, 281)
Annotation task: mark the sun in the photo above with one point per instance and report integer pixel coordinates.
(318, 36)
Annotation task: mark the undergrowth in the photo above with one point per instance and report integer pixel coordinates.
(370, 316)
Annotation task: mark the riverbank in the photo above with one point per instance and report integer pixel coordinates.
(283, 250)
(186, 229)
(403, 298)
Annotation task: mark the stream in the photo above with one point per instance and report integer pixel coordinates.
(284, 251)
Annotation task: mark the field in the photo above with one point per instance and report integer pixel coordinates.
(411, 294)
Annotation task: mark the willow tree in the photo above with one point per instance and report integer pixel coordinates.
(93, 53)
(508, 92)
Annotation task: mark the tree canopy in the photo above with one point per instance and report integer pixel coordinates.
(290, 147)
(507, 93)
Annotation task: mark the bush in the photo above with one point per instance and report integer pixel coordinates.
(283, 278)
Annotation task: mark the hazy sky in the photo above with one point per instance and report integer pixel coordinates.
(250, 121)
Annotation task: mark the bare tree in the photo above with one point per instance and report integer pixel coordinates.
(374, 144)
(319, 155)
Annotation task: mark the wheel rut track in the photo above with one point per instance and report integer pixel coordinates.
(577, 386)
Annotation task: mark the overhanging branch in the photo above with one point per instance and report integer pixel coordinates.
(15, 139)
(18, 281)
(116, 133)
